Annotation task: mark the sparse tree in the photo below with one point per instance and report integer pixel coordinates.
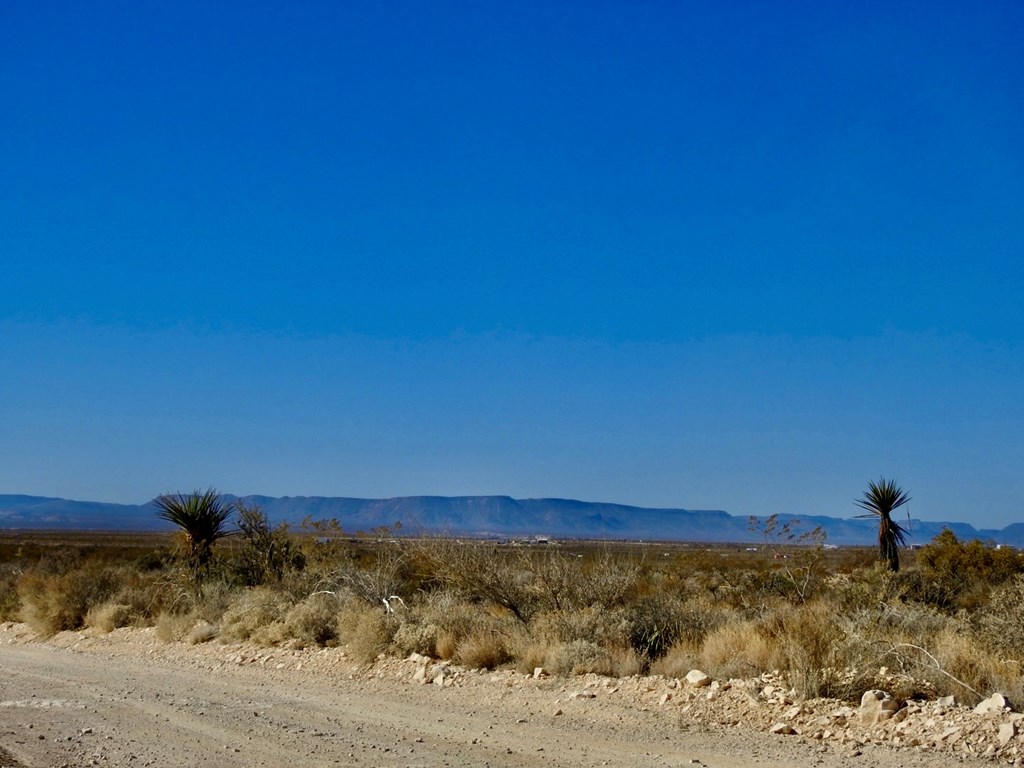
(267, 552)
(203, 518)
(880, 499)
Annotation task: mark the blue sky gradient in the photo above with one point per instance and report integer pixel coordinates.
(733, 255)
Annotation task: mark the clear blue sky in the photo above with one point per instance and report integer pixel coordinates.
(744, 256)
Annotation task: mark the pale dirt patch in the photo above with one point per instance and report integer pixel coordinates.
(128, 699)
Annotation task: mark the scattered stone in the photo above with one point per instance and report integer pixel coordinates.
(946, 701)
(784, 729)
(538, 672)
(583, 695)
(665, 699)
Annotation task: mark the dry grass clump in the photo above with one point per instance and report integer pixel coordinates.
(593, 623)
(581, 657)
(680, 659)
(51, 603)
(174, 627)
(10, 601)
(441, 622)
(414, 637)
(111, 616)
(482, 650)
(955, 663)
(314, 621)
(1001, 626)
(255, 611)
(202, 632)
(737, 649)
(365, 631)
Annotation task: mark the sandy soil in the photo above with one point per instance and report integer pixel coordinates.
(126, 699)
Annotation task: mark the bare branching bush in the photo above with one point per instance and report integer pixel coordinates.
(799, 557)
(482, 573)
(375, 582)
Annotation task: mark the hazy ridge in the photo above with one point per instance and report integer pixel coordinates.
(490, 516)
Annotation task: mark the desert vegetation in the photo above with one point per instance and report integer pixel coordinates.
(831, 622)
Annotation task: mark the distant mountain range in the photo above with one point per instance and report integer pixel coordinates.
(483, 516)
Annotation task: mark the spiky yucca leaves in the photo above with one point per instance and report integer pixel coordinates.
(202, 517)
(880, 499)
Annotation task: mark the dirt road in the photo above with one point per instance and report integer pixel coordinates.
(128, 700)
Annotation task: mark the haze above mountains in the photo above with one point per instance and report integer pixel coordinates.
(483, 516)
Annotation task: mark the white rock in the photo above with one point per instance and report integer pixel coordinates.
(994, 704)
(783, 728)
(877, 706)
(1006, 732)
(697, 679)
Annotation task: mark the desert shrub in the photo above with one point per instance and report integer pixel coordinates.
(446, 619)
(174, 627)
(611, 580)
(579, 657)
(255, 609)
(482, 650)
(529, 655)
(654, 624)
(366, 631)
(383, 573)
(201, 632)
(111, 616)
(314, 621)
(953, 663)
(960, 574)
(680, 659)
(1001, 626)
(51, 602)
(814, 653)
(605, 627)
(414, 637)
(737, 649)
(10, 602)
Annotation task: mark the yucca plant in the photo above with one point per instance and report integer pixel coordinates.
(202, 517)
(880, 499)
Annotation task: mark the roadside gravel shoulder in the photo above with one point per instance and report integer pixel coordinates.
(81, 698)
